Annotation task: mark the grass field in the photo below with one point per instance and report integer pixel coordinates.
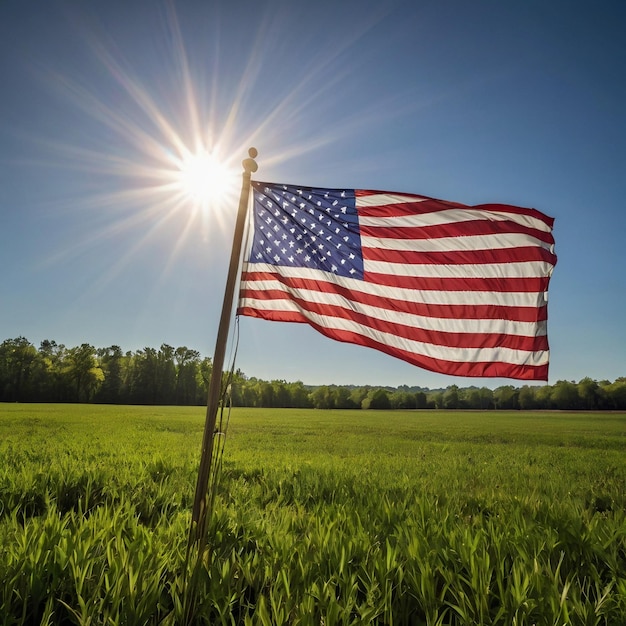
(323, 517)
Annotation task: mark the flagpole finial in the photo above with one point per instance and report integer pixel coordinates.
(250, 165)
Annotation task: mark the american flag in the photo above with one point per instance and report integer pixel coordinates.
(455, 289)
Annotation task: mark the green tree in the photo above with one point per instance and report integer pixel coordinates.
(506, 397)
(402, 400)
(565, 395)
(112, 365)
(526, 398)
(436, 399)
(81, 369)
(358, 394)
(322, 398)
(486, 398)
(187, 365)
(282, 395)
(143, 376)
(590, 394)
(451, 398)
(17, 357)
(166, 375)
(543, 397)
(203, 377)
(265, 394)
(52, 385)
(421, 401)
(299, 395)
(378, 399)
(616, 394)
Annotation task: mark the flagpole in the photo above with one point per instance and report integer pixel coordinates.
(199, 519)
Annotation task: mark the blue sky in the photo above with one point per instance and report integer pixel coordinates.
(488, 101)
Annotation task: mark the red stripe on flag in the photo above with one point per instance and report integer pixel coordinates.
(456, 229)
(435, 337)
(446, 311)
(501, 285)
(420, 205)
(461, 257)
(517, 210)
(487, 369)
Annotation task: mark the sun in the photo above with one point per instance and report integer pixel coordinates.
(206, 180)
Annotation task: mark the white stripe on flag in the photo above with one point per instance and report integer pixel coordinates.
(470, 298)
(471, 243)
(455, 354)
(473, 326)
(528, 269)
(453, 217)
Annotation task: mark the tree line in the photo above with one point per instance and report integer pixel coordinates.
(180, 376)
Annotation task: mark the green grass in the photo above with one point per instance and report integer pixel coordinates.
(323, 517)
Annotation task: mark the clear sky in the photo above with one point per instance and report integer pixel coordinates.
(474, 102)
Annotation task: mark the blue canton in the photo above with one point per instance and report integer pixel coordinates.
(307, 227)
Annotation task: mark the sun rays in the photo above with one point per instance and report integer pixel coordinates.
(205, 180)
(153, 165)
(155, 150)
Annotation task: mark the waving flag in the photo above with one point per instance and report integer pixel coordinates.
(455, 289)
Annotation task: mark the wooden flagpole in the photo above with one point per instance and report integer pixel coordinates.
(200, 514)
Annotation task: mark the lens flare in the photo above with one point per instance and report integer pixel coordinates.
(160, 168)
(205, 180)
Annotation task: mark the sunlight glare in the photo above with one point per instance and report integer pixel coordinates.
(205, 180)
